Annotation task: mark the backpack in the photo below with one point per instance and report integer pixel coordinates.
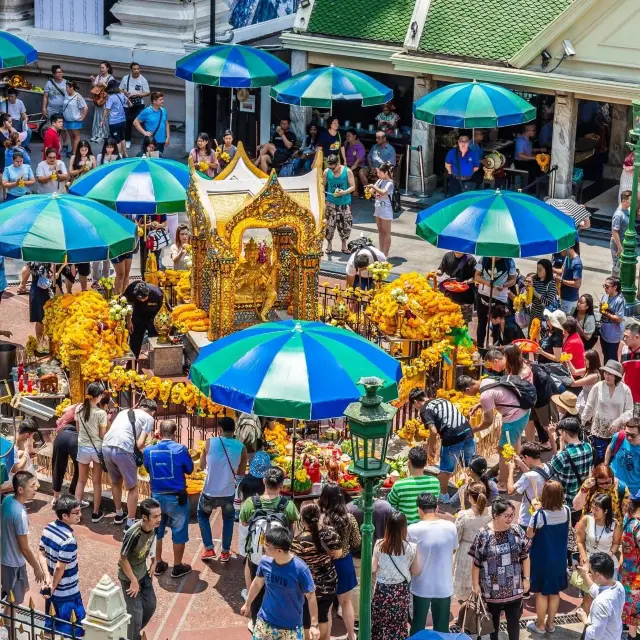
(359, 243)
(396, 205)
(260, 522)
(522, 389)
(543, 382)
(249, 431)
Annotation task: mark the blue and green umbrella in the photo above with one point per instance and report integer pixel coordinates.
(15, 52)
(292, 369)
(320, 87)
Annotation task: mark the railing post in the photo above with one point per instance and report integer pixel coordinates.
(107, 617)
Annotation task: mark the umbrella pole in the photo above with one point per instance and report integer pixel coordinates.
(231, 112)
(493, 267)
(293, 457)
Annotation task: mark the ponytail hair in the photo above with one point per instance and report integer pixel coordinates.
(13, 140)
(94, 390)
(478, 492)
(310, 516)
(386, 167)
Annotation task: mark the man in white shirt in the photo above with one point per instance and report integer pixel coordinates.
(604, 621)
(135, 86)
(16, 109)
(432, 587)
(359, 260)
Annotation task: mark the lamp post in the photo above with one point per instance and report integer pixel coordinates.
(369, 425)
(628, 259)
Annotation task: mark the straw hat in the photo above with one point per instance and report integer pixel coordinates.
(556, 318)
(613, 367)
(566, 401)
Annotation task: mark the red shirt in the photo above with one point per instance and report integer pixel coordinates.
(575, 347)
(632, 377)
(50, 139)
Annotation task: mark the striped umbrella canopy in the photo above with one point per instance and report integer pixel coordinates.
(15, 52)
(503, 224)
(137, 185)
(234, 66)
(60, 228)
(320, 87)
(473, 105)
(292, 369)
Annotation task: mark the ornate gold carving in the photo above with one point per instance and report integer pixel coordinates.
(241, 155)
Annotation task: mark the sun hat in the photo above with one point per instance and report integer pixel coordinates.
(556, 318)
(566, 401)
(260, 462)
(614, 368)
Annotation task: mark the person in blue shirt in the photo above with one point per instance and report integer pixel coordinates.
(623, 454)
(168, 462)
(17, 177)
(568, 269)
(525, 153)
(154, 122)
(611, 319)
(461, 163)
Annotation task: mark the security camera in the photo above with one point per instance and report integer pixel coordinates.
(546, 57)
(569, 51)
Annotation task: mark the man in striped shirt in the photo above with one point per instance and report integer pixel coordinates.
(59, 554)
(405, 492)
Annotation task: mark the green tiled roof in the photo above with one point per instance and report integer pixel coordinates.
(486, 29)
(385, 21)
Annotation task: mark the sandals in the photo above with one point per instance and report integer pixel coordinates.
(22, 291)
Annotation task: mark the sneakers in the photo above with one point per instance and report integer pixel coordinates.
(161, 567)
(531, 627)
(119, 519)
(128, 145)
(224, 556)
(96, 516)
(84, 504)
(180, 570)
(209, 554)
(250, 625)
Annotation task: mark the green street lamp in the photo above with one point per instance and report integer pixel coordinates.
(369, 422)
(628, 259)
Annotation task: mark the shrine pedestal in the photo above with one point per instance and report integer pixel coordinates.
(165, 360)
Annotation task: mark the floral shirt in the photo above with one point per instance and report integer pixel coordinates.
(629, 570)
(499, 555)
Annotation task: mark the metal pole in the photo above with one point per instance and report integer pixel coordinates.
(231, 112)
(552, 190)
(365, 561)
(195, 22)
(421, 165)
(405, 192)
(628, 259)
(212, 23)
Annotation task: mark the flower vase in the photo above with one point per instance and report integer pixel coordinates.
(400, 316)
(162, 322)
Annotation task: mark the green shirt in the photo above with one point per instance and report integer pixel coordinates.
(137, 546)
(405, 492)
(268, 505)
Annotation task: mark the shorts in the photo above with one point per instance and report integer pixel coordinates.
(174, 515)
(515, 429)
(122, 258)
(116, 131)
(265, 631)
(121, 466)
(83, 268)
(450, 455)
(324, 606)
(16, 580)
(281, 156)
(72, 124)
(382, 210)
(346, 574)
(86, 455)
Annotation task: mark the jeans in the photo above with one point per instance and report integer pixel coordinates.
(609, 350)
(568, 306)
(141, 608)
(175, 516)
(440, 612)
(206, 505)
(512, 611)
(462, 451)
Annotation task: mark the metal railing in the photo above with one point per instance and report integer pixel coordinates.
(19, 620)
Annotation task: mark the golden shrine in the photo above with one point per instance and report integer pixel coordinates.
(257, 244)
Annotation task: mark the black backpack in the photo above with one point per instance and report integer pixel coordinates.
(523, 390)
(543, 382)
(396, 205)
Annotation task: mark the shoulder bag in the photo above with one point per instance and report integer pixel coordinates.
(135, 101)
(233, 473)
(138, 456)
(473, 618)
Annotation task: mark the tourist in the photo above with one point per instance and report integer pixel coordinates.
(612, 308)
(456, 266)
(109, 152)
(608, 400)
(91, 422)
(631, 339)
(550, 349)
(525, 153)
(569, 275)
(146, 300)
(74, 111)
(223, 458)
(82, 160)
(549, 528)
(16, 109)
(382, 191)
(52, 136)
(477, 471)
(256, 513)
(572, 465)
(10, 456)
(604, 621)
(335, 514)
(253, 483)
(227, 147)
(584, 315)
(305, 156)
(623, 454)
(387, 119)
(443, 420)
(630, 566)
(495, 363)
(393, 564)
(203, 154)
(329, 139)
(432, 584)
(16, 552)
(545, 293)
(114, 115)
(501, 545)
(178, 251)
(586, 378)
(602, 481)
(317, 546)
(502, 333)
(26, 431)
(358, 275)
(135, 86)
(380, 153)
(51, 175)
(153, 122)
(572, 343)
(168, 462)
(280, 149)
(287, 582)
(339, 184)
(149, 148)
(12, 145)
(59, 554)
(500, 271)
(468, 522)
(133, 572)
(355, 157)
(597, 531)
(529, 485)
(405, 491)
(17, 178)
(565, 405)
(121, 448)
(39, 293)
(460, 164)
(55, 92)
(99, 130)
(619, 224)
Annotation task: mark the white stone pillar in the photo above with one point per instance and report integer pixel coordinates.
(192, 114)
(618, 138)
(16, 13)
(422, 134)
(107, 617)
(265, 115)
(300, 116)
(565, 120)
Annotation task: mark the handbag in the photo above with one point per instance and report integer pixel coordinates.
(135, 101)
(138, 457)
(158, 239)
(98, 95)
(474, 618)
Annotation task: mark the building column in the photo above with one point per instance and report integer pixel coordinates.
(619, 129)
(265, 115)
(300, 116)
(192, 114)
(565, 120)
(422, 134)
(16, 13)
